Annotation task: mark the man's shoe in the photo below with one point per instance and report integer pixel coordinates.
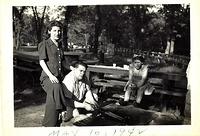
(65, 116)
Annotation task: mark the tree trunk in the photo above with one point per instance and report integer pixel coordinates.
(19, 23)
(97, 28)
(170, 47)
(39, 23)
(18, 40)
(138, 15)
(69, 10)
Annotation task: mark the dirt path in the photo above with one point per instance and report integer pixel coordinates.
(30, 116)
(29, 108)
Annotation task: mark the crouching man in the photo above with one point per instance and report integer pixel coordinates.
(137, 83)
(79, 96)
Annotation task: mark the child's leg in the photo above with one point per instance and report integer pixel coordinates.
(127, 95)
(140, 93)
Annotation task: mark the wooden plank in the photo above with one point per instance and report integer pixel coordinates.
(174, 93)
(158, 89)
(153, 80)
(117, 83)
(109, 83)
(167, 76)
(108, 70)
(28, 48)
(117, 77)
(138, 116)
(168, 83)
(103, 84)
(34, 56)
(118, 96)
(157, 81)
(73, 53)
(122, 71)
(26, 68)
(27, 56)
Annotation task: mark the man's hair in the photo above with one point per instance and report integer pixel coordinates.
(54, 23)
(76, 64)
(138, 58)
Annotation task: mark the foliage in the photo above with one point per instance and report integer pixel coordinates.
(38, 22)
(177, 26)
(130, 26)
(17, 25)
(81, 25)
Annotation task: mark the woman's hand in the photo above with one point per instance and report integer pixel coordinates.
(53, 79)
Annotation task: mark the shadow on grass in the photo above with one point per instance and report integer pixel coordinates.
(37, 97)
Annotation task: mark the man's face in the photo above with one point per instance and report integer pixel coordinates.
(137, 64)
(55, 33)
(80, 72)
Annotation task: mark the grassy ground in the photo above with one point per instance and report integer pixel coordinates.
(29, 108)
(30, 116)
(29, 100)
(29, 112)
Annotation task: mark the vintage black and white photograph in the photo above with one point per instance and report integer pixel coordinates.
(101, 65)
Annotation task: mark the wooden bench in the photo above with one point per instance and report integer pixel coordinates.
(178, 88)
(103, 84)
(178, 92)
(31, 67)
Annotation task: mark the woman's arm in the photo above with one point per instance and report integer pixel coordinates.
(52, 78)
(42, 56)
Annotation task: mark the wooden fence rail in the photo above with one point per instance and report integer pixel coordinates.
(177, 59)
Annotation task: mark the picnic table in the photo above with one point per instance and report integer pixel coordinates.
(34, 56)
(28, 61)
(124, 72)
(165, 84)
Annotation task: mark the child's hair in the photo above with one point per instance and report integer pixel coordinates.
(138, 58)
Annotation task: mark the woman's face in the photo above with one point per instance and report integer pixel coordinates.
(55, 33)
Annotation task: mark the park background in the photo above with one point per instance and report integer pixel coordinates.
(138, 27)
(112, 33)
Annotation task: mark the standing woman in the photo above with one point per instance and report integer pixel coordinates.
(51, 59)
